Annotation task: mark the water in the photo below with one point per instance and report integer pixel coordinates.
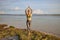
(50, 24)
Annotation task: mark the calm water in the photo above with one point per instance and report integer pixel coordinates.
(50, 24)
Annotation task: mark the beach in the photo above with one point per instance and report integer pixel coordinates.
(49, 24)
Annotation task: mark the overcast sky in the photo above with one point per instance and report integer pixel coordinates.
(38, 6)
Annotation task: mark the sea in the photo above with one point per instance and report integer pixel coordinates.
(48, 24)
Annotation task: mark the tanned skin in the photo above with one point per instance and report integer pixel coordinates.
(28, 12)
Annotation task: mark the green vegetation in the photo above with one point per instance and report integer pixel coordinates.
(34, 35)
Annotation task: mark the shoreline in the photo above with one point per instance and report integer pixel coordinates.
(49, 33)
(33, 14)
(11, 31)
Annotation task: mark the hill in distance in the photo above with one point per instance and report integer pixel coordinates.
(33, 14)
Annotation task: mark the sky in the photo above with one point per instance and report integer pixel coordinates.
(38, 6)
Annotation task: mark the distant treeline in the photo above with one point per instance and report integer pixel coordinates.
(33, 14)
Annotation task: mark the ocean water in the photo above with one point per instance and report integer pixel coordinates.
(50, 24)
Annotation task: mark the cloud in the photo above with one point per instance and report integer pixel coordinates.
(55, 10)
(2, 12)
(49, 11)
(38, 11)
(16, 9)
(54, 5)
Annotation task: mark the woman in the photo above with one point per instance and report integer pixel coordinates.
(28, 12)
